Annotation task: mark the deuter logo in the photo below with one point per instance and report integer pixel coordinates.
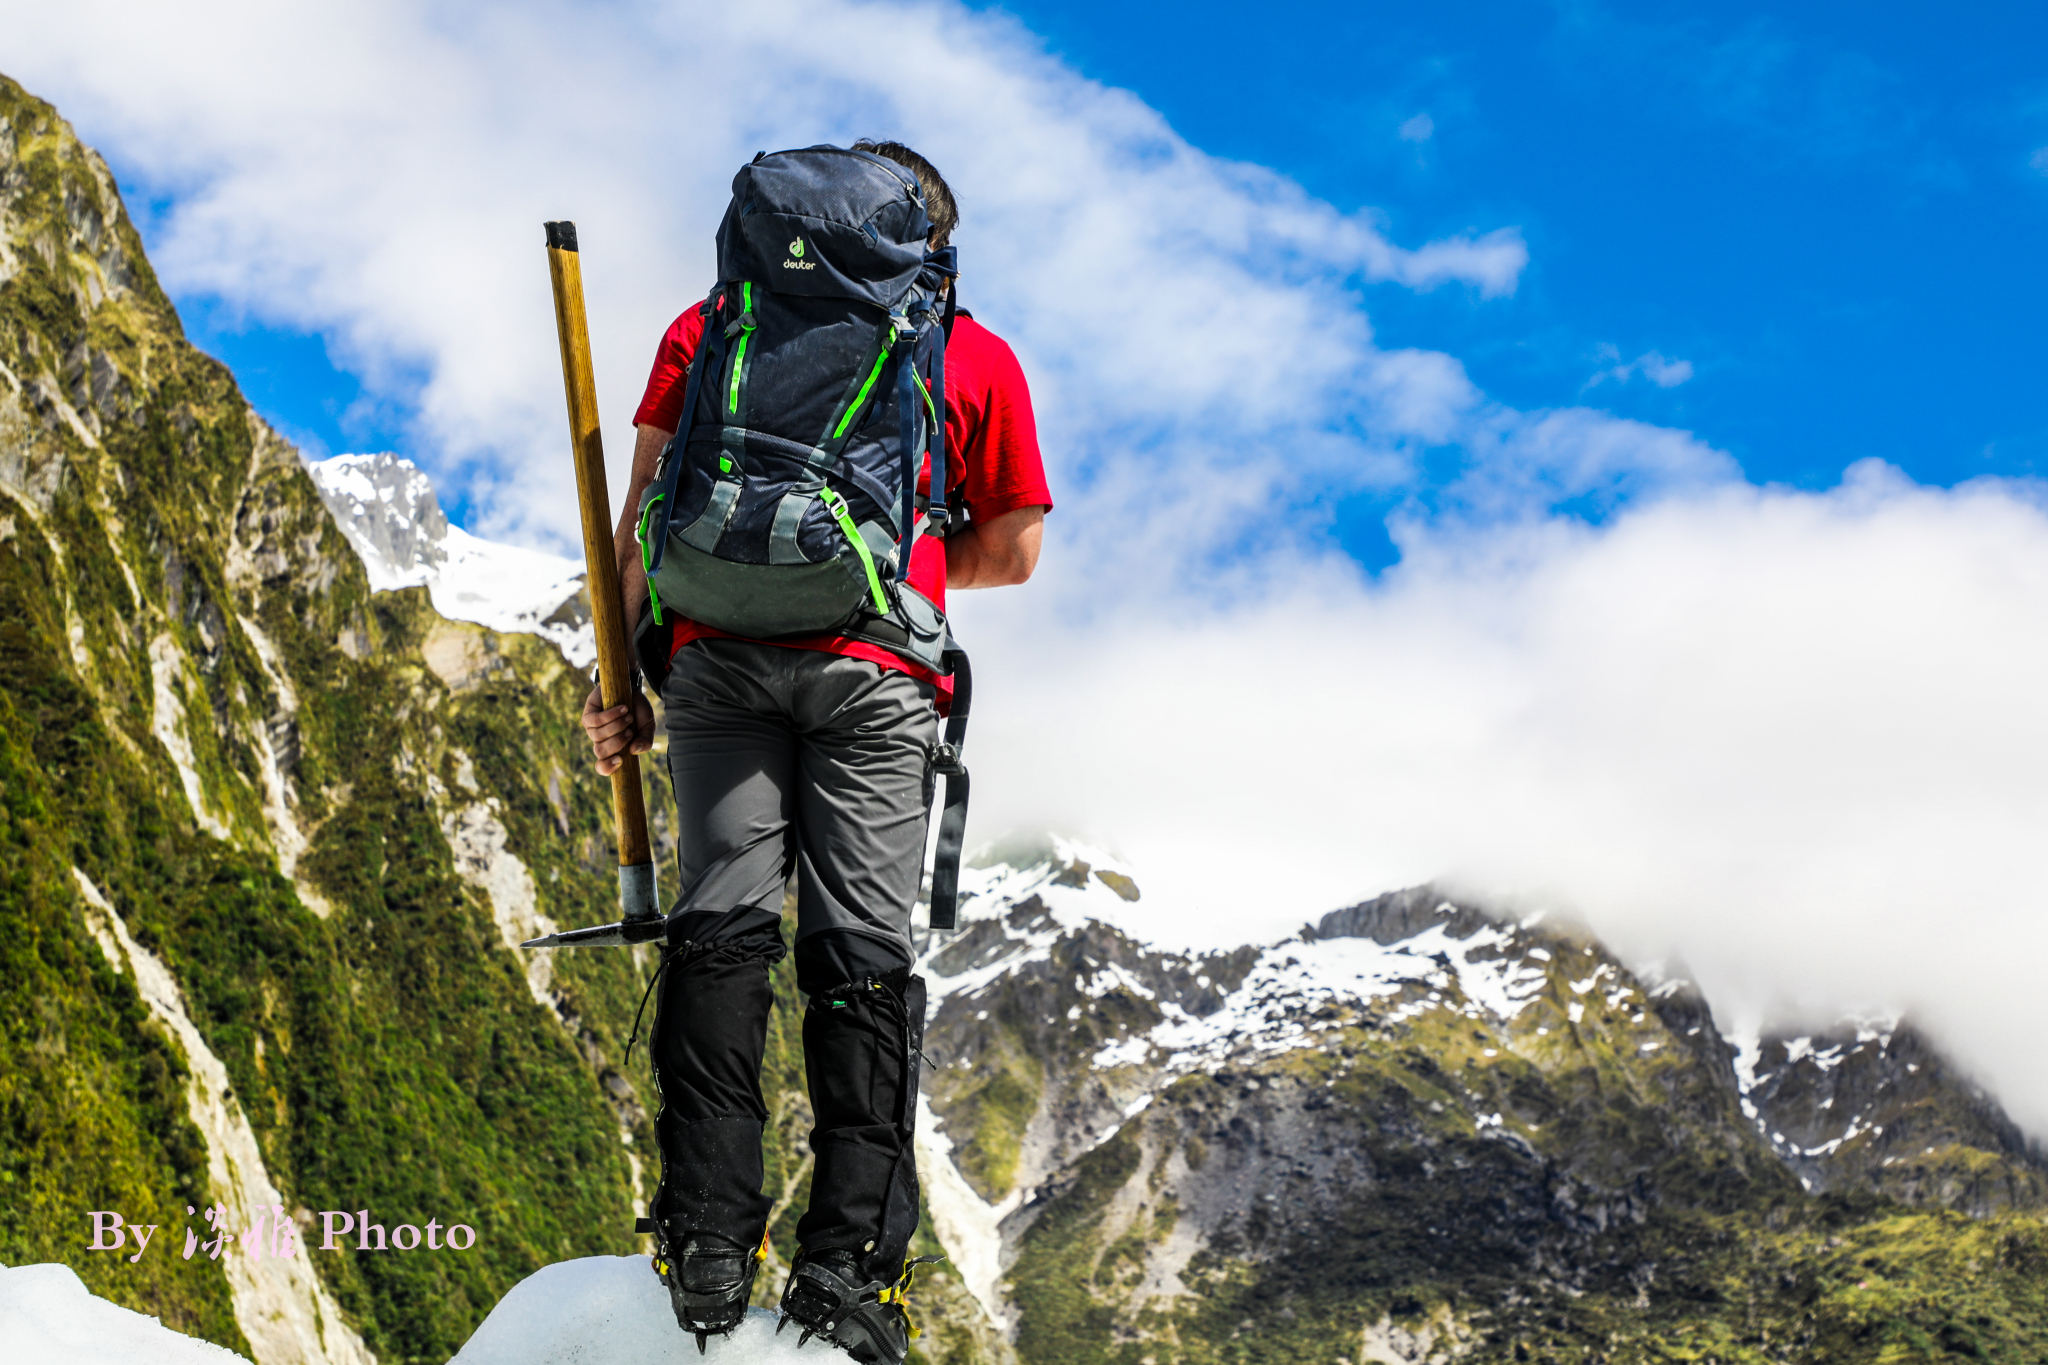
(796, 260)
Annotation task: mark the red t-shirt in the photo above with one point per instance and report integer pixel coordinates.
(991, 457)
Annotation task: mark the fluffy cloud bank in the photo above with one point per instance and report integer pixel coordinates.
(1791, 737)
(1794, 739)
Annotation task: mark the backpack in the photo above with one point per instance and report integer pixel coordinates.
(786, 505)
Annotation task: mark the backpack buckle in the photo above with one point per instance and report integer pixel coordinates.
(946, 760)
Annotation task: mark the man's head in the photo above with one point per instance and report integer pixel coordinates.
(938, 197)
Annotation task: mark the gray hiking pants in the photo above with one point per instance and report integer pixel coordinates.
(793, 759)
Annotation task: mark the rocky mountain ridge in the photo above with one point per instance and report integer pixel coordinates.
(1419, 1131)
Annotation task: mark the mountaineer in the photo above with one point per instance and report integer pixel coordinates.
(784, 508)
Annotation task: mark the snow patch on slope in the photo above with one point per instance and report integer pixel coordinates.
(49, 1317)
(969, 1226)
(1276, 1008)
(388, 510)
(1065, 878)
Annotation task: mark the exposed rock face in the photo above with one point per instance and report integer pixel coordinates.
(1874, 1106)
(388, 510)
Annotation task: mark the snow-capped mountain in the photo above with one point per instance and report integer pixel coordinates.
(387, 508)
(1412, 1092)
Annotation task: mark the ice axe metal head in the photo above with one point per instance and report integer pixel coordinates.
(624, 934)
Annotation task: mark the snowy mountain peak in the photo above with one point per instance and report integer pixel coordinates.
(388, 509)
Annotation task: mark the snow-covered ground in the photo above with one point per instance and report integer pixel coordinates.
(388, 510)
(49, 1317)
(611, 1310)
(602, 1310)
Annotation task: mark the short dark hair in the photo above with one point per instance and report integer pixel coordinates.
(938, 196)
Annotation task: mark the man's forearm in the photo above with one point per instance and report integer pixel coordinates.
(999, 553)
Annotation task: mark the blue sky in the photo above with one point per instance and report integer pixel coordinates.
(1832, 211)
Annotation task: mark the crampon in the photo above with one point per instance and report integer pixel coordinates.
(709, 1278)
(829, 1297)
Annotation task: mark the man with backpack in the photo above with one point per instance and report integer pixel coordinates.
(826, 446)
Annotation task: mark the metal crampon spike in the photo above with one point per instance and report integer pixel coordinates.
(782, 1324)
(804, 1338)
(700, 1342)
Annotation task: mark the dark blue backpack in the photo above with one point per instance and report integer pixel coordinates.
(787, 503)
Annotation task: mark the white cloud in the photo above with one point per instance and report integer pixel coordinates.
(1651, 365)
(1794, 739)
(1792, 736)
(1421, 128)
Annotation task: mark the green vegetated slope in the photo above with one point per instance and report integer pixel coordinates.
(318, 877)
(1556, 1166)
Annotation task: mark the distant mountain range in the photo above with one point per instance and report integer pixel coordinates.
(1423, 1131)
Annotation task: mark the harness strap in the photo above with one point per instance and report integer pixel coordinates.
(953, 812)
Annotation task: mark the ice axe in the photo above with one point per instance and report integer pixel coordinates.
(639, 907)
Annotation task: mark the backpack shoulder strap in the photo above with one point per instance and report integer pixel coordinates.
(651, 553)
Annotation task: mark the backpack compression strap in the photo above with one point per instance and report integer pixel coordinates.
(953, 813)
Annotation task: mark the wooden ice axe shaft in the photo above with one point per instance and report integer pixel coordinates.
(637, 898)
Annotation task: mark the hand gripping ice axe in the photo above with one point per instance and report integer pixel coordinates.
(640, 918)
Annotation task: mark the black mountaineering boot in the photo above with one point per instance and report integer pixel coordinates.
(709, 1279)
(828, 1296)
